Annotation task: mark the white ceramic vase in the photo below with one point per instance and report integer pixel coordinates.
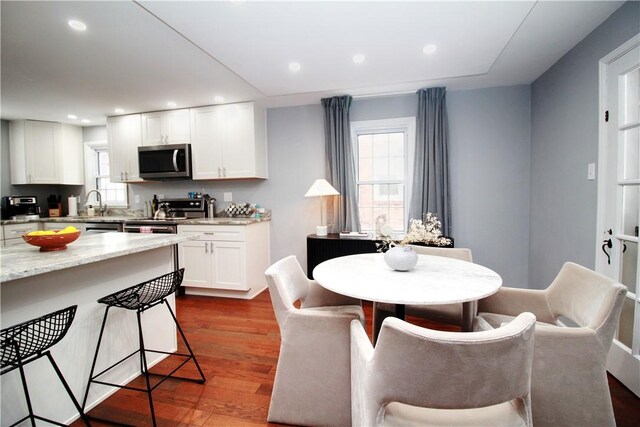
(401, 258)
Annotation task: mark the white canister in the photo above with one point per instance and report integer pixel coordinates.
(73, 206)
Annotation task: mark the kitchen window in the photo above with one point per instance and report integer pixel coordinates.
(114, 194)
(384, 164)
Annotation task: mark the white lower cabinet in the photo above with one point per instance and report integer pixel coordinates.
(12, 233)
(225, 260)
(55, 225)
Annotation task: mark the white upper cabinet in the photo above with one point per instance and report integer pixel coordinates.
(229, 141)
(166, 127)
(125, 135)
(45, 153)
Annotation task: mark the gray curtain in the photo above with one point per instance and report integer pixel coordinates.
(343, 214)
(431, 170)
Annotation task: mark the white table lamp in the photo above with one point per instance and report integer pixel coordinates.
(321, 188)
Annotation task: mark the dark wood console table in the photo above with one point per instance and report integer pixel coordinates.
(322, 248)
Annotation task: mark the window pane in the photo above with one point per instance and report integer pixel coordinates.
(629, 268)
(630, 202)
(629, 97)
(103, 163)
(365, 146)
(381, 145)
(365, 196)
(365, 169)
(631, 153)
(396, 144)
(366, 218)
(381, 168)
(396, 168)
(625, 326)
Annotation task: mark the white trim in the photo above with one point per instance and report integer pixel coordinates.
(403, 124)
(608, 59)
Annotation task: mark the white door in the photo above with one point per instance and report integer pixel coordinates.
(152, 129)
(177, 126)
(238, 151)
(618, 200)
(41, 140)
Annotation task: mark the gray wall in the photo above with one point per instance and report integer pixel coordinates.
(564, 139)
(489, 173)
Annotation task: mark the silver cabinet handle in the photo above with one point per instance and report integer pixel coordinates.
(206, 249)
(212, 248)
(219, 175)
(224, 171)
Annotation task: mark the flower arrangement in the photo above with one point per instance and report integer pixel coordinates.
(425, 231)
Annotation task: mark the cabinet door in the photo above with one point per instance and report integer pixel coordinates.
(229, 266)
(125, 135)
(206, 142)
(166, 127)
(152, 129)
(72, 155)
(42, 159)
(177, 126)
(194, 256)
(238, 151)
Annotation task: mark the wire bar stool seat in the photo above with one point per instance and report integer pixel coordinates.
(28, 341)
(139, 298)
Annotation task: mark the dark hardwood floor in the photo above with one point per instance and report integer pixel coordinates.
(237, 343)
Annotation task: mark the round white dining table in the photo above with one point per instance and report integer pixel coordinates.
(435, 280)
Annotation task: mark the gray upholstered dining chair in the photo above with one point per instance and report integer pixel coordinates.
(421, 377)
(313, 379)
(448, 313)
(569, 379)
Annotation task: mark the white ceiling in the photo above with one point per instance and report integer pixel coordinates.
(140, 55)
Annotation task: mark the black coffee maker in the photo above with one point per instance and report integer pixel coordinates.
(20, 207)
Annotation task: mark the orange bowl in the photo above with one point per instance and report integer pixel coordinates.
(51, 242)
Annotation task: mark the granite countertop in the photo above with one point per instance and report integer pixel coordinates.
(21, 261)
(218, 220)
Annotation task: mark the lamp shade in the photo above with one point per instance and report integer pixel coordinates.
(321, 187)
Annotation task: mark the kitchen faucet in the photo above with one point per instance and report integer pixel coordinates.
(101, 209)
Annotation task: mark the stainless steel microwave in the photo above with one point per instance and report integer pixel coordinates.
(159, 162)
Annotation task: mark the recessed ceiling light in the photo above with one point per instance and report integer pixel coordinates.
(86, 121)
(118, 110)
(294, 66)
(72, 116)
(171, 104)
(429, 49)
(358, 59)
(77, 25)
(218, 98)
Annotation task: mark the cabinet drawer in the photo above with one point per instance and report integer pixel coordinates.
(15, 231)
(228, 233)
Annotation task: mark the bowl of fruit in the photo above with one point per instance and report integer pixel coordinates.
(52, 240)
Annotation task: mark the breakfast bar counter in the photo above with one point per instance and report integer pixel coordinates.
(21, 261)
(35, 283)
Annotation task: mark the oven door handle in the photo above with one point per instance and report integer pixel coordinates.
(152, 228)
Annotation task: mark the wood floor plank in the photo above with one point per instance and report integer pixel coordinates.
(237, 344)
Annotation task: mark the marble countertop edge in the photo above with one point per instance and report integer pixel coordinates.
(22, 261)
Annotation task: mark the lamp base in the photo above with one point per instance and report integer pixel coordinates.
(321, 230)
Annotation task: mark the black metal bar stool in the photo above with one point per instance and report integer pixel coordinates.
(140, 298)
(31, 340)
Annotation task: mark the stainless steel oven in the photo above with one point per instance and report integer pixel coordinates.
(151, 226)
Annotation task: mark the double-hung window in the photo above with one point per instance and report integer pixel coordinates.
(384, 163)
(97, 176)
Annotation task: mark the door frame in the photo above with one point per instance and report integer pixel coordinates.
(618, 358)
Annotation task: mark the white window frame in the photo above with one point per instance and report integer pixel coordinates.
(400, 124)
(90, 161)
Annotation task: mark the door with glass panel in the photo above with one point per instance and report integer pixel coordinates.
(619, 200)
